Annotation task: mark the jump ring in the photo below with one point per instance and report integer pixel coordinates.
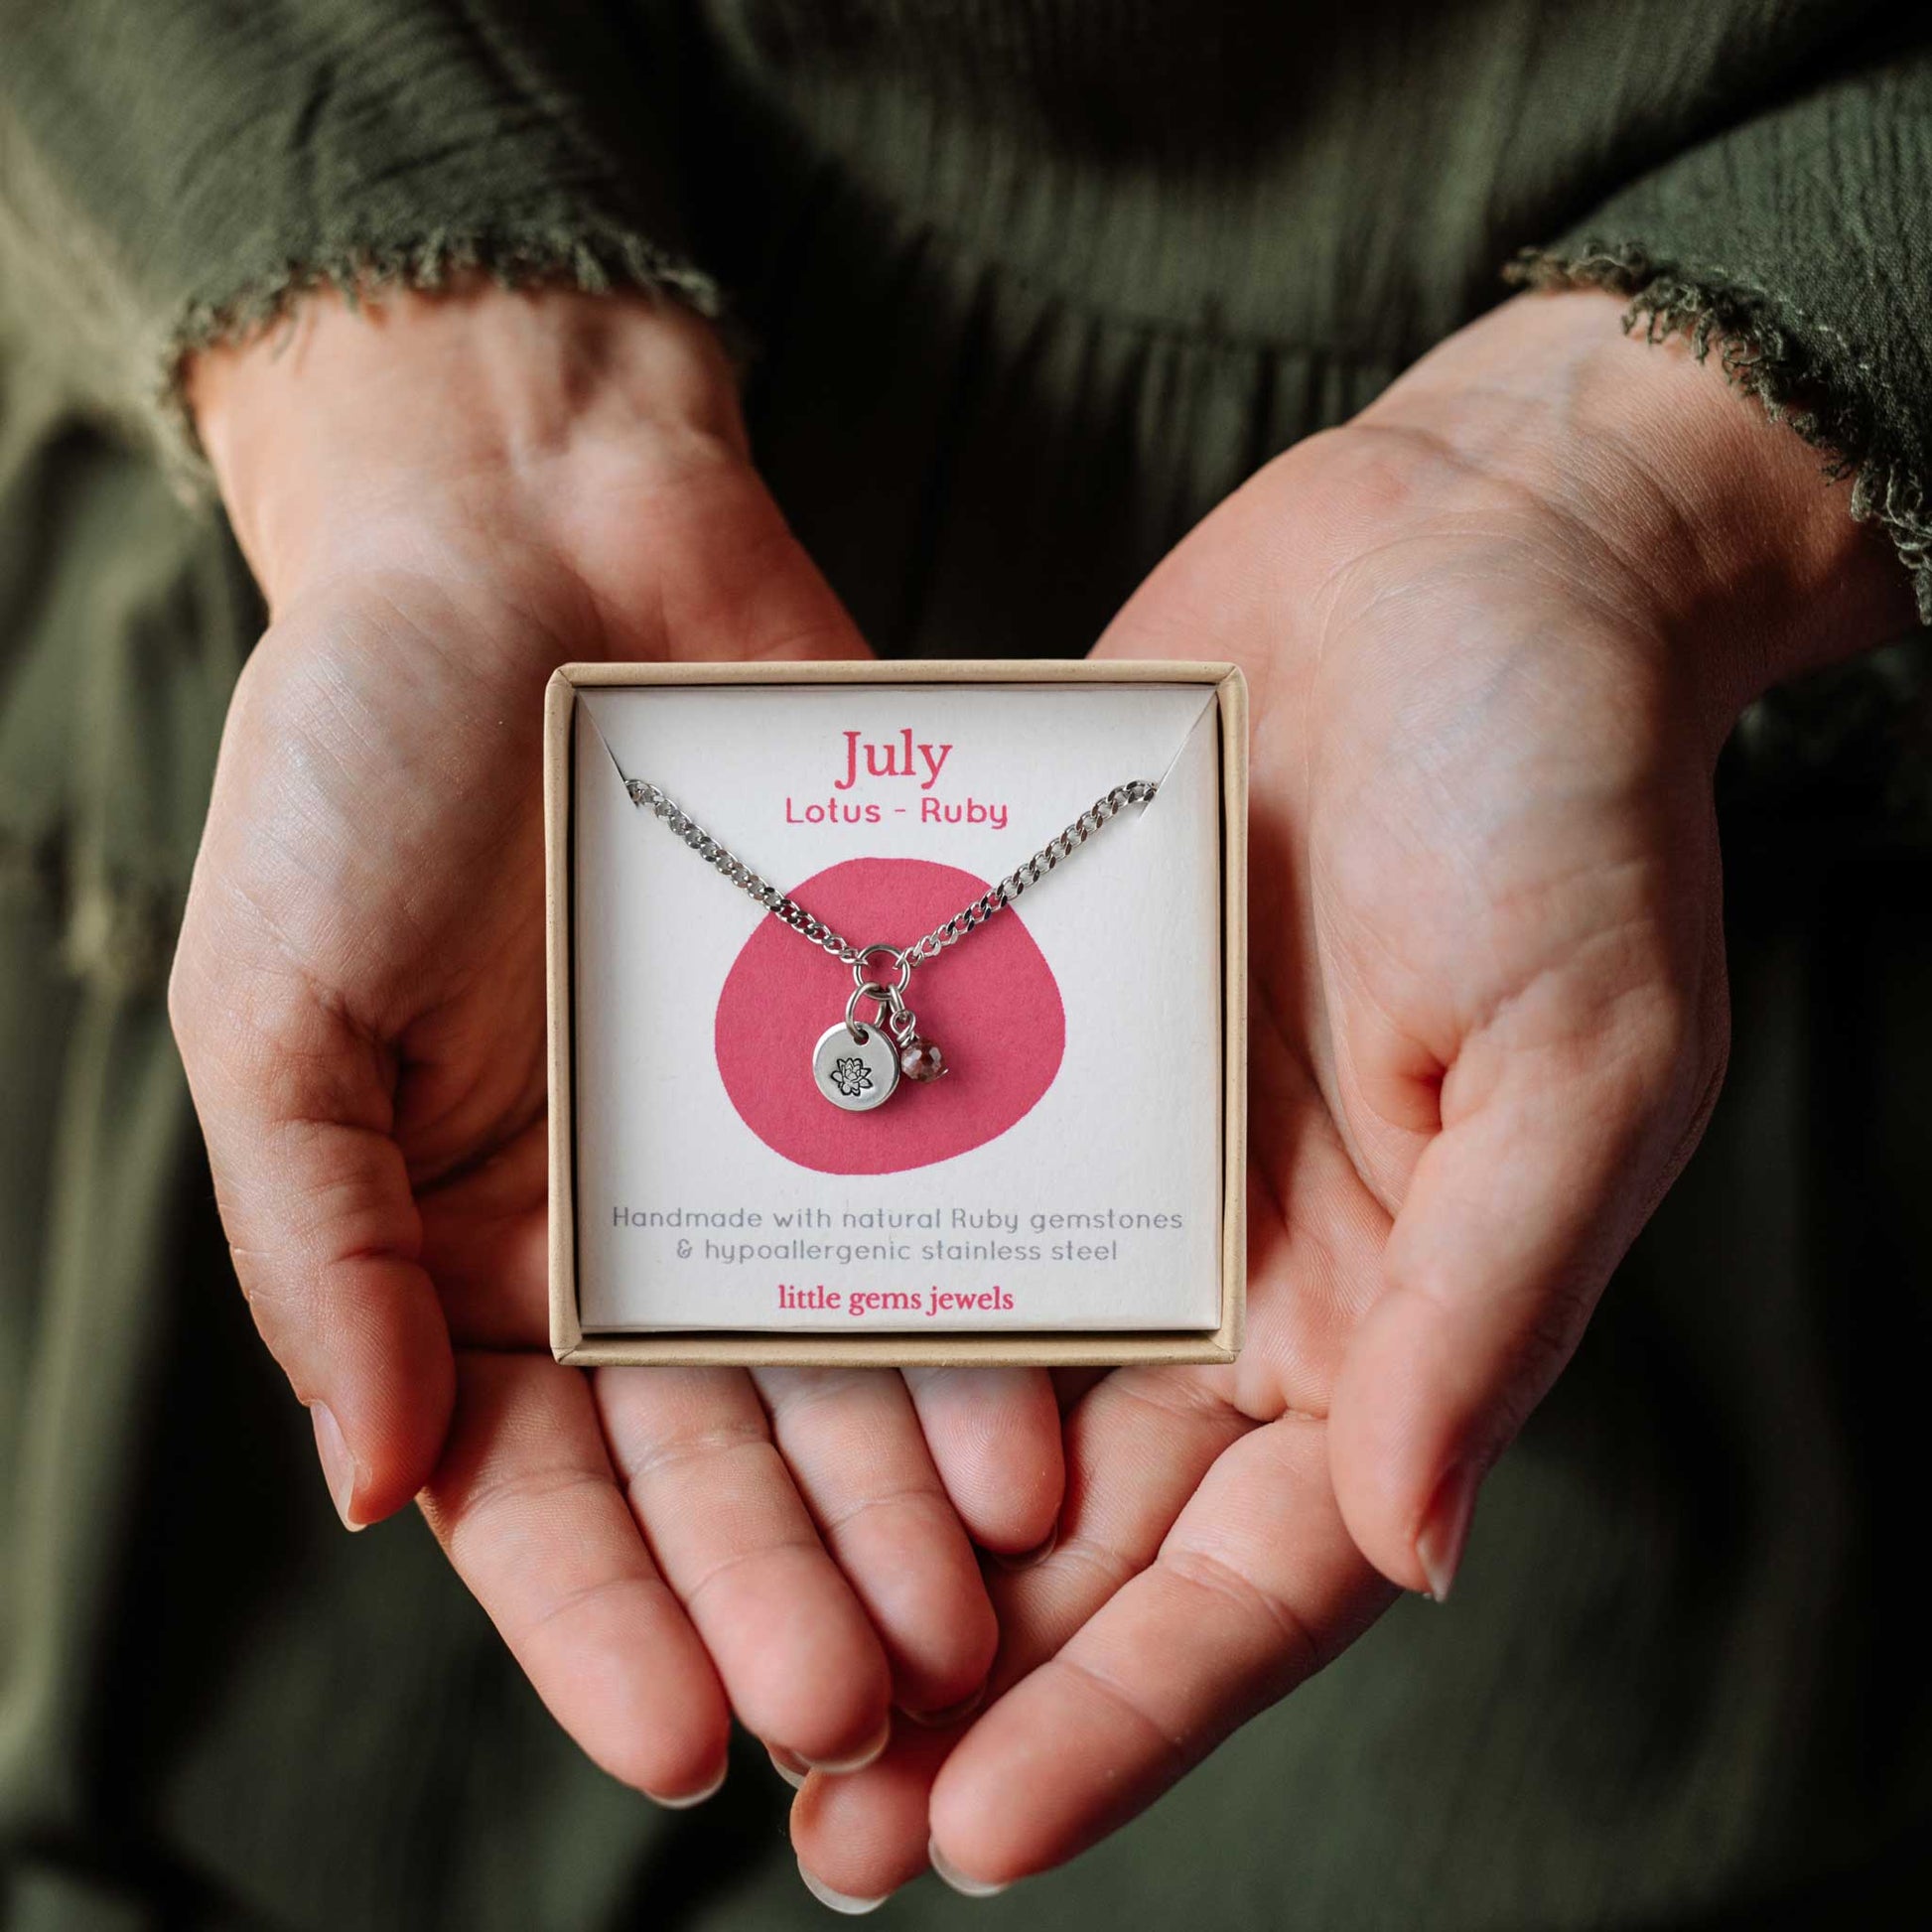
(859, 973)
(884, 998)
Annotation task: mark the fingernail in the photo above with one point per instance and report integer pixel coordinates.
(337, 1465)
(1445, 1529)
(845, 1766)
(951, 1714)
(950, 1874)
(711, 1790)
(839, 1901)
(1028, 1558)
(793, 1769)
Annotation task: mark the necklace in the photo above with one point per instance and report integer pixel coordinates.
(856, 1063)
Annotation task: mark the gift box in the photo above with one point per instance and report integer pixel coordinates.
(897, 1012)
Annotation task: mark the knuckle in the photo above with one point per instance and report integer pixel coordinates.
(1423, 1271)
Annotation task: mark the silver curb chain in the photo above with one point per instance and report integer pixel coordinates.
(1136, 791)
(857, 1064)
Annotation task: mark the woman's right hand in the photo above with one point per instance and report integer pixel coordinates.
(444, 497)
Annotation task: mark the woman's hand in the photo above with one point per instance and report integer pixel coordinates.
(1496, 630)
(444, 499)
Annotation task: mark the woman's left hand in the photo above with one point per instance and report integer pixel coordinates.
(1496, 630)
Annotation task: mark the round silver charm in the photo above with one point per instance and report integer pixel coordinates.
(856, 1074)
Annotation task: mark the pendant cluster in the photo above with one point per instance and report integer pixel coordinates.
(859, 1064)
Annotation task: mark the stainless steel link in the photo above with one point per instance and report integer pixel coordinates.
(1137, 792)
(722, 859)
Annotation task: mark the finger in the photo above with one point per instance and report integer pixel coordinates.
(853, 1444)
(485, 1245)
(296, 1105)
(800, 1661)
(1257, 1586)
(1550, 1158)
(995, 1438)
(527, 1506)
(1138, 1443)
(1137, 1447)
(864, 1836)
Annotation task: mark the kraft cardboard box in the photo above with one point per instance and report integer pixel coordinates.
(1071, 1189)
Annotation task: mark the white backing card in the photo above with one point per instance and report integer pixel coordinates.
(1098, 1208)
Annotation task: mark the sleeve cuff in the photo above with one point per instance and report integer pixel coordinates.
(1762, 350)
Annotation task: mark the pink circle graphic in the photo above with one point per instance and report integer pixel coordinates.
(991, 1003)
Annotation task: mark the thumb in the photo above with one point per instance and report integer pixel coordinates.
(321, 1222)
(1549, 1159)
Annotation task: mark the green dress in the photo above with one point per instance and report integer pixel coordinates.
(1024, 288)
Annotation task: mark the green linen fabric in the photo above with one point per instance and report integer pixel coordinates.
(1025, 288)
(178, 173)
(1799, 296)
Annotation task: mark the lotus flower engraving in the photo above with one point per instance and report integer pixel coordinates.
(851, 1076)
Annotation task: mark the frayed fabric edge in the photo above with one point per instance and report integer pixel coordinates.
(1762, 356)
(592, 258)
